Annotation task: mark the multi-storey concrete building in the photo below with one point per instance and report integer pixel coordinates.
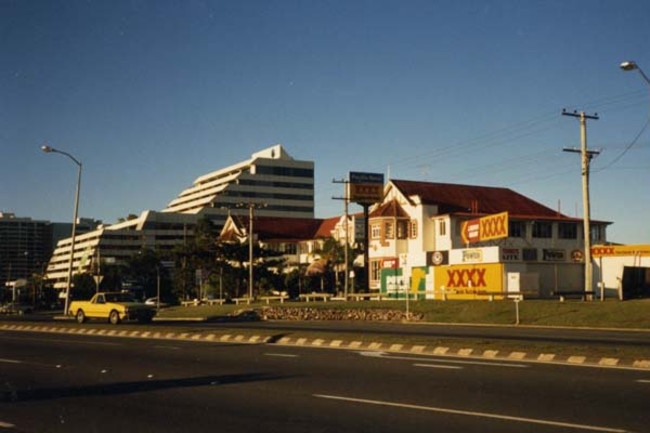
(271, 181)
(25, 246)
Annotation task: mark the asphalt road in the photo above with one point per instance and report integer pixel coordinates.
(73, 383)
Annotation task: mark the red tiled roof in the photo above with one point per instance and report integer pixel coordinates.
(453, 198)
(326, 227)
(389, 209)
(268, 228)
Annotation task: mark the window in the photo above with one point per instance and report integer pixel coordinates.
(290, 249)
(402, 228)
(388, 230)
(516, 229)
(567, 230)
(284, 171)
(375, 231)
(413, 229)
(442, 228)
(542, 229)
(597, 233)
(375, 270)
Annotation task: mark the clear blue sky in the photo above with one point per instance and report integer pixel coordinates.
(151, 94)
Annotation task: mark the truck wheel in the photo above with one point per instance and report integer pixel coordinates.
(81, 317)
(114, 317)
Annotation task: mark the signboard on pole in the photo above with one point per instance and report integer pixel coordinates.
(620, 250)
(365, 188)
(484, 229)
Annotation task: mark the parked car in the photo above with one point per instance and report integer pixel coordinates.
(154, 302)
(16, 308)
(112, 306)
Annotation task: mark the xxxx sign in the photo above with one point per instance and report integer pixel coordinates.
(620, 250)
(469, 281)
(485, 228)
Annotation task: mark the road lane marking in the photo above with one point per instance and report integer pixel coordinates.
(385, 355)
(282, 355)
(167, 347)
(71, 341)
(6, 425)
(34, 364)
(643, 381)
(449, 367)
(472, 413)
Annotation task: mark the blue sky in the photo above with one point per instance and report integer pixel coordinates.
(150, 95)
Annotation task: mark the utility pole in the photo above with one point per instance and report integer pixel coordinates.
(586, 156)
(346, 202)
(251, 233)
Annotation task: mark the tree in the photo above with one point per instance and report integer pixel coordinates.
(143, 271)
(333, 256)
(83, 286)
(195, 263)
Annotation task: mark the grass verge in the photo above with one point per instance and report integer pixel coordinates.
(633, 314)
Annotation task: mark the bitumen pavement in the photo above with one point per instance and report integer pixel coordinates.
(372, 344)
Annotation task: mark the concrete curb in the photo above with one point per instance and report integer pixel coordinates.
(546, 358)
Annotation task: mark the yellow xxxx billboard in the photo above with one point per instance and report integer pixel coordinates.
(485, 228)
(470, 281)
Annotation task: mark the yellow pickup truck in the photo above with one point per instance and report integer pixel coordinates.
(112, 306)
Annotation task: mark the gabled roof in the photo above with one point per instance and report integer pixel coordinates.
(326, 227)
(279, 228)
(469, 199)
(389, 209)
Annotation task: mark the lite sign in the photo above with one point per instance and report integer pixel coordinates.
(365, 188)
(484, 229)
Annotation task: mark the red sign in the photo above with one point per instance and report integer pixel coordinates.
(471, 231)
(392, 263)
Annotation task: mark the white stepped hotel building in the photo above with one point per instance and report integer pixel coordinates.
(271, 181)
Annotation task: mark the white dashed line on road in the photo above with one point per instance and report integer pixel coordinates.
(282, 355)
(461, 412)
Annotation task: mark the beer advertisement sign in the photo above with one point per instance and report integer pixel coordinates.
(365, 188)
(470, 281)
(485, 229)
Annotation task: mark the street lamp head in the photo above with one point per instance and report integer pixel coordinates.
(47, 149)
(628, 65)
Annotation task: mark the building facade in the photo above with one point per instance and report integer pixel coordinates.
(114, 244)
(272, 181)
(417, 244)
(25, 247)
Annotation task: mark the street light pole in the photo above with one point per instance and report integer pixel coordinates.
(49, 149)
(251, 233)
(250, 252)
(630, 65)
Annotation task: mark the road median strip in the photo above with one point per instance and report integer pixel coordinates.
(419, 349)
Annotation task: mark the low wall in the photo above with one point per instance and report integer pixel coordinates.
(307, 313)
